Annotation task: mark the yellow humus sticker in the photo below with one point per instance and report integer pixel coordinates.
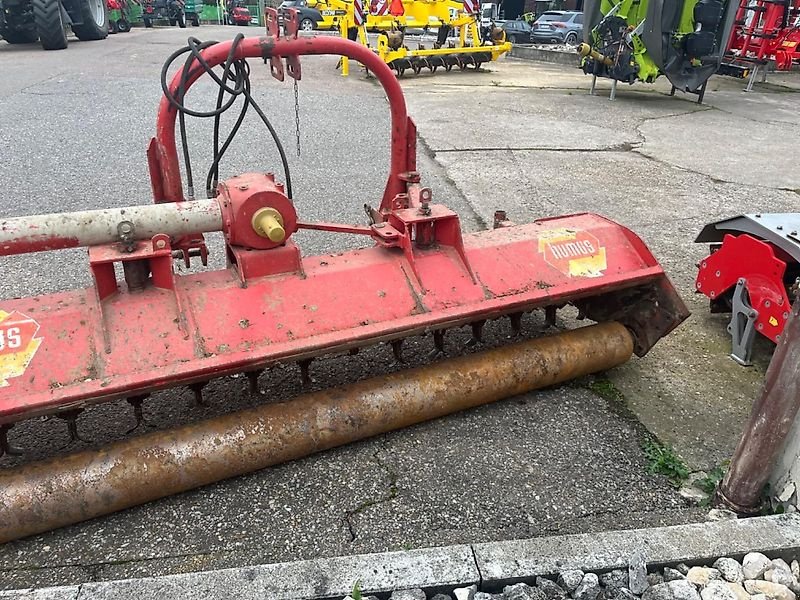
(574, 252)
(18, 344)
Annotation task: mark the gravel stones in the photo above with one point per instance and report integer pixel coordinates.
(672, 590)
(550, 588)
(614, 580)
(780, 572)
(739, 591)
(408, 595)
(588, 589)
(637, 573)
(522, 591)
(671, 574)
(717, 590)
(465, 593)
(570, 579)
(701, 576)
(773, 591)
(754, 565)
(730, 569)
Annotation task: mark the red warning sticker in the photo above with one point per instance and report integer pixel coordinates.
(574, 252)
(18, 344)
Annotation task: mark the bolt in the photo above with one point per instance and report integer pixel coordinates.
(760, 326)
(785, 315)
(704, 264)
(379, 225)
(161, 244)
(243, 187)
(767, 303)
(713, 294)
(717, 273)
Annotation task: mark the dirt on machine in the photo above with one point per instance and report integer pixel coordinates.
(416, 274)
(48, 21)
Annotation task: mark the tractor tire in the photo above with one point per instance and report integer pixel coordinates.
(195, 21)
(123, 26)
(27, 36)
(147, 23)
(95, 20)
(50, 24)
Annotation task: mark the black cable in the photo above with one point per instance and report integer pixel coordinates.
(236, 71)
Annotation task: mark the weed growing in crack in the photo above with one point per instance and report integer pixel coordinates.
(662, 460)
(355, 593)
(709, 483)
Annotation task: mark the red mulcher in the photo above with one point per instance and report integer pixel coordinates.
(155, 329)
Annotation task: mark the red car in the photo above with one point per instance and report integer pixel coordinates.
(238, 15)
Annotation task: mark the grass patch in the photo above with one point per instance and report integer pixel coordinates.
(710, 482)
(662, 460)
(606, 390)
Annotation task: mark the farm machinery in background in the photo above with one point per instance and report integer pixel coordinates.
(638, 41)
(417, 275)
(471, 47)
(119, 19)
(752, 272)
(46, 21)
(764, 31)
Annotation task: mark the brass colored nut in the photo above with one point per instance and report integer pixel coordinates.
(268, 223)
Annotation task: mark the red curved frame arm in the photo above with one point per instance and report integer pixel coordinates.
(162, 154)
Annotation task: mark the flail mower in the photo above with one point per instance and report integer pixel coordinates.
(764, 31)
(153, 328)
(752, 272)
(631, 40)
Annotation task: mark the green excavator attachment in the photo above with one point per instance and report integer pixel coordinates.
(639, 40)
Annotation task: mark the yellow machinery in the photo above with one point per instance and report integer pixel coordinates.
(390, 19)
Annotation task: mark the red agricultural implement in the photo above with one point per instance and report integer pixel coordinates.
(753, 266)
(764, 31)
(418, 275)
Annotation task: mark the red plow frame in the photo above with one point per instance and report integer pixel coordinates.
(157, 329)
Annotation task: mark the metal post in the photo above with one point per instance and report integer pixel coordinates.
(613, 89)
(594, 84)
(770, 422)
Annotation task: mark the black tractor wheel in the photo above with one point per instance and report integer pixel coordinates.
(50, 24)
(26, 36)
(95, 20)
(147, 22)
(123, 25)
(195, 21)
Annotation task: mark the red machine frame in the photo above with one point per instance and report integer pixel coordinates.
(161, 329)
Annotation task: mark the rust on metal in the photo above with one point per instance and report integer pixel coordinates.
(770, 421)
(44, 496)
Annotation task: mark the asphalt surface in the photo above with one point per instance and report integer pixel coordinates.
(523, 137)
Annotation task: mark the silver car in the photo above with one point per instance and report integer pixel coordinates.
(558, 27)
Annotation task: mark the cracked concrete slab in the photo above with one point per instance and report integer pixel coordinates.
(729, 147)
(685, 165)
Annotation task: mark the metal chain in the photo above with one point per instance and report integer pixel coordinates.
(297, 117)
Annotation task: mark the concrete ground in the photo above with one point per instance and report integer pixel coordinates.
(520, 136)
